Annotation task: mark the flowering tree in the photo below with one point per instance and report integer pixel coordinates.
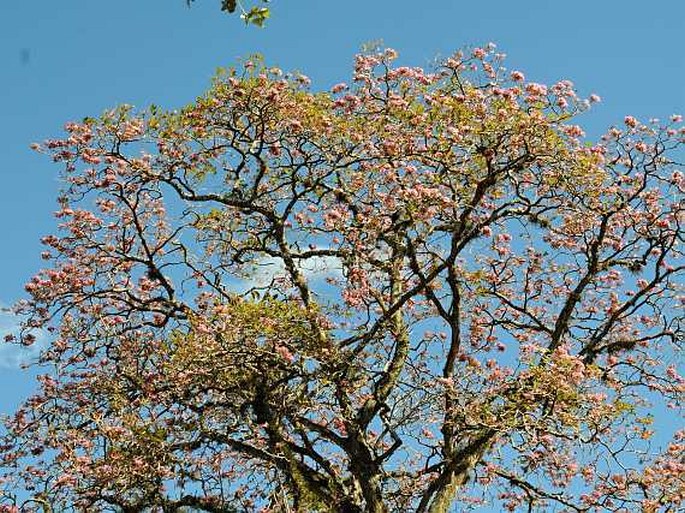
(421, 292)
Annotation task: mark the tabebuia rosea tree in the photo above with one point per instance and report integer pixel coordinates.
(422, 291)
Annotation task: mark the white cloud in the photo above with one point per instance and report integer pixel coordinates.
(12, 355)
(315, 270)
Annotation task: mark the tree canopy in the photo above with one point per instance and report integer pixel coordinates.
(420, 291)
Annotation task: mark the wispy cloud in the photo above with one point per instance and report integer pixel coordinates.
(12, 356)
(315, 270)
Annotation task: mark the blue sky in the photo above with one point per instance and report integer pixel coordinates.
(66, 59)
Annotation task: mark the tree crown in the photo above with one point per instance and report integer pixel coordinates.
(418, 290)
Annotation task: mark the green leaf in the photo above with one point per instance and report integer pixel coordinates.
(256, 16)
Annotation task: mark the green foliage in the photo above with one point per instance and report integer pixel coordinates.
(253, 16)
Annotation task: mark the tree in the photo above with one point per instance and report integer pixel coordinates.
(254, 15)
(419, 292)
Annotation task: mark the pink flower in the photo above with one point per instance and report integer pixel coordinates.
(594, 98)
(339, 87)
(390, 53)
(446, 382)
(641, 146)
(65, 480)
(427, 433)
(285, 353)
(672, 373)
(479, 53)
(536, 89)
(630, 121)
(517, 76)
(339, 424)
(575, 131)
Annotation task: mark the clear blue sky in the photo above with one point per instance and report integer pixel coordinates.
(66, 59)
